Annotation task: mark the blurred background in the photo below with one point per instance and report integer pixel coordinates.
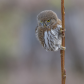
(22, 58)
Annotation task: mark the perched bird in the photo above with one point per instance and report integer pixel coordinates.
(48, 30)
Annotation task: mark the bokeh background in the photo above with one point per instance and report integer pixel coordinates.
(22, 58)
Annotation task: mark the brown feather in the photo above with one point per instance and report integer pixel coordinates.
(47, 14)
(41, 31)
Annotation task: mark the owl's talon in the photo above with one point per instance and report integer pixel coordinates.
(63, 35)
(61, 30)
(63, 48)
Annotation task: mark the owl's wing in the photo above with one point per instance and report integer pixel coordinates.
(59, 22)
(59, 25)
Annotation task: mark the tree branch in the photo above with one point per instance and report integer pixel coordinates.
(62, 52)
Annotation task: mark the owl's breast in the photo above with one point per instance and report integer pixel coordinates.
(49, 38)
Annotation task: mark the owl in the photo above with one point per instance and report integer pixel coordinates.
(48, 30)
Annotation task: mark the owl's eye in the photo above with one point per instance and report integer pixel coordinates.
(48, 20)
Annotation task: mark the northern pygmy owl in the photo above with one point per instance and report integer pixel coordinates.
(48, 30)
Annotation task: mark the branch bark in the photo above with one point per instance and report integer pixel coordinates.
(62, 52)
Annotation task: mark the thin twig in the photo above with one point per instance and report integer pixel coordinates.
(63, 72)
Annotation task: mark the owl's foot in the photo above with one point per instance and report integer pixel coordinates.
(63, 48)
(61, 30)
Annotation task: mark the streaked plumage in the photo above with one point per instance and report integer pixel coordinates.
(48, 30)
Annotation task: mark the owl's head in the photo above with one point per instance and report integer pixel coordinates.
(46, 18)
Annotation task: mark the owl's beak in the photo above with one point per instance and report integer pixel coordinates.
(44, 25)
